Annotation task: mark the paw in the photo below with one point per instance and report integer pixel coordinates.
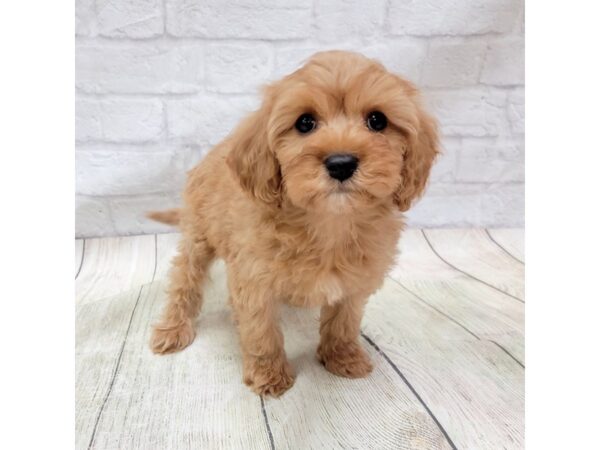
(171, 338)
(347, 360)
(270, 378)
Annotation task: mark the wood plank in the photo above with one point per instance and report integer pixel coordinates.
(79, 254)
(416, 261)
(512, 240)
(472, 252)
(473, 387)
(475, 390)
(100, 329)
(325, 411)
(115, 265)
(423, 329)
(486, 313)
(196, 398)
(191, 399)
(146, 381)
(112, 266)
(512, 344)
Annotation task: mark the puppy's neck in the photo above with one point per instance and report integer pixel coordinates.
(329, 228)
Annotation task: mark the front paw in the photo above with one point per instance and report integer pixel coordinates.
(171, 338)
(269, 377)
(345, 360)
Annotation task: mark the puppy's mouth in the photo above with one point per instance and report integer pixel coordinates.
(343, 188)
(350, 190)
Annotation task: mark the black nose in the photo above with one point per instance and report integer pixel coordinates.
(341, 166)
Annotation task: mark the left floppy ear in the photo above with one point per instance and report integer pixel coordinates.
(423, 147)
(252, 160)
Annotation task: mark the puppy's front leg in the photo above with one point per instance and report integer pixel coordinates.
(339, 349)
(266, 368)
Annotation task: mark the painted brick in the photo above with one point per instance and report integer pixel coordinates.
(472, 112)
(482, 160)
(118, 171)
(504, 63)
(157, 88)
(129, 213)
(92, 217)
(444, 168)
(85, 18)
(240, 19)
(139, 68)
(451, 17)
(118, 120)
(469, 205)
(451, 64)
(238, 68)
(348, 18)
(516, 111)
(289, 58)
(131, 18)
(403, 58)
(207, 119)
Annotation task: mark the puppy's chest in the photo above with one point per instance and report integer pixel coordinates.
(317, 289)
(326, 278)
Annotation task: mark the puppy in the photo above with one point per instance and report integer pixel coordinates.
(303, 203)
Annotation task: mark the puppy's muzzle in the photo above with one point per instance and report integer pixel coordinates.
(341, 166)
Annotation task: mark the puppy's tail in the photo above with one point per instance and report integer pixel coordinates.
(168, 216)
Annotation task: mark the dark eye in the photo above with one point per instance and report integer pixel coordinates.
(376, 121)
(306, 123)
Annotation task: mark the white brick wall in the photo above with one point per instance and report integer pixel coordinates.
(161, 81)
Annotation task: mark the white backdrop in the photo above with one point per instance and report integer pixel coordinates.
(160, 81)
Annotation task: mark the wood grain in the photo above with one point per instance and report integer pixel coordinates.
(473, 387)
(115, 265)
(472, 252)
(483, 311)
(79, 254)
(447, 349)
(326, 411)
(512, 240)
(101, 328)
(486, 313)
(416, 261)
(191, 399)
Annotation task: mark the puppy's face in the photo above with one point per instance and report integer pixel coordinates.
(338, 135)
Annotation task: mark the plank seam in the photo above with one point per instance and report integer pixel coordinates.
(118, 364)
(455, 321)
(467, 273)
(435, 309)
(81, 262)
(410, 386)
(115, 371)
(264, 413)
(155, 257)
(508, 353)
(502, 248)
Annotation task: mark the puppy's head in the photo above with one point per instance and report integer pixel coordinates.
(340, 134)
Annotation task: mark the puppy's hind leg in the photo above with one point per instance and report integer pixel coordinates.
(176, 329)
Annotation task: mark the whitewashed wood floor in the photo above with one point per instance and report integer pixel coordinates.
(446, 334)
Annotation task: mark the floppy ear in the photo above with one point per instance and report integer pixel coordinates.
(252, 161)
(418, 158)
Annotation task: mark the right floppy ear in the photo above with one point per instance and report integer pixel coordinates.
(418, 159)
(252, 161)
